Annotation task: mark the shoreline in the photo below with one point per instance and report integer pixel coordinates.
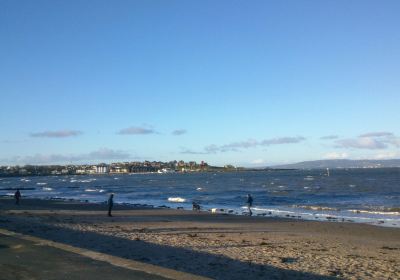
(291, 213)
(306, 196)
(213, 245)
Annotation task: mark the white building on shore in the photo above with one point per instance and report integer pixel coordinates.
(101, 169)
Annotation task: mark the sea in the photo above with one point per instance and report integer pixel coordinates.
(370, 196)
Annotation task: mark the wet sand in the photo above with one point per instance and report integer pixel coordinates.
(214, 245)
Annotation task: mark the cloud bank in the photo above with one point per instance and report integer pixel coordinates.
(329, 137)
(250, 143)
(97, 155)
(136, 130)
(179, 132)
(361, 143)
(57, 134)
(336, 155)
(371, 141)
(376, 134)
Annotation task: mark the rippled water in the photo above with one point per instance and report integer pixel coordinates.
(359, 195)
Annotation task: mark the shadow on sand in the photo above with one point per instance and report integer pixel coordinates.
(181, 259)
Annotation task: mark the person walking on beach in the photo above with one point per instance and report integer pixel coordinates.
(110, 203)
(17, 196)
(249, 202)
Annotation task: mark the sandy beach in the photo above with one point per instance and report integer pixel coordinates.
(216, 246)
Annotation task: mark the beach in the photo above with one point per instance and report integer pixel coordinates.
(216, 246)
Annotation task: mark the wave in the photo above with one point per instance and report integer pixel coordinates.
(87, 181)
(41, 184)
(94, 190)
(176, 199)
(268, 210)
(47, 189)
(383, 212)
(316, 207)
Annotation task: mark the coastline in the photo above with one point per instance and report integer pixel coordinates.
(213, 245)
(296, 212)
(295, 195)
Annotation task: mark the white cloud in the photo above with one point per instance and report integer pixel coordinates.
(282, 140)
(258, 161)
(387, 155)
(361, 143)
(336, 155)
(57, 134)
(97, 155)
(136, 130)
(376, 134)
(178, 132)
(191, 152)
(238, 145)
(329, 137)
(251, 143)
(371, 140)
(395, 141)
(211, 149)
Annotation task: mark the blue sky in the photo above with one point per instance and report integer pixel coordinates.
(228, 82)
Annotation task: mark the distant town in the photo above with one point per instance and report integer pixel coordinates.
(114, 168)
(183, 167)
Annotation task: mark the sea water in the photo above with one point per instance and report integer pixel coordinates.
(354, 195)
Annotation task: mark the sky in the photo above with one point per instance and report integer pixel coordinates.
(248, 83)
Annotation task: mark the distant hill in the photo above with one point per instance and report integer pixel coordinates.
(341, 163)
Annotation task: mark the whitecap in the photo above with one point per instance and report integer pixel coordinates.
(374, 212)
(176, 199)
(41, 184)
(47, 189)
(85, 181)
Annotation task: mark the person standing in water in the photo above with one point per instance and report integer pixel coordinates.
(249, 202)
(17, 196)
(110, 203)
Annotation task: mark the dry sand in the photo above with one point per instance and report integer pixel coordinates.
(214, 245)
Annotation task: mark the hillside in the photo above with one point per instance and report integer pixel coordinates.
(341, 163)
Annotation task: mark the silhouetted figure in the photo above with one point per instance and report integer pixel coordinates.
(196, 206)
(17, 196)
(249, 203)
(110, 203)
